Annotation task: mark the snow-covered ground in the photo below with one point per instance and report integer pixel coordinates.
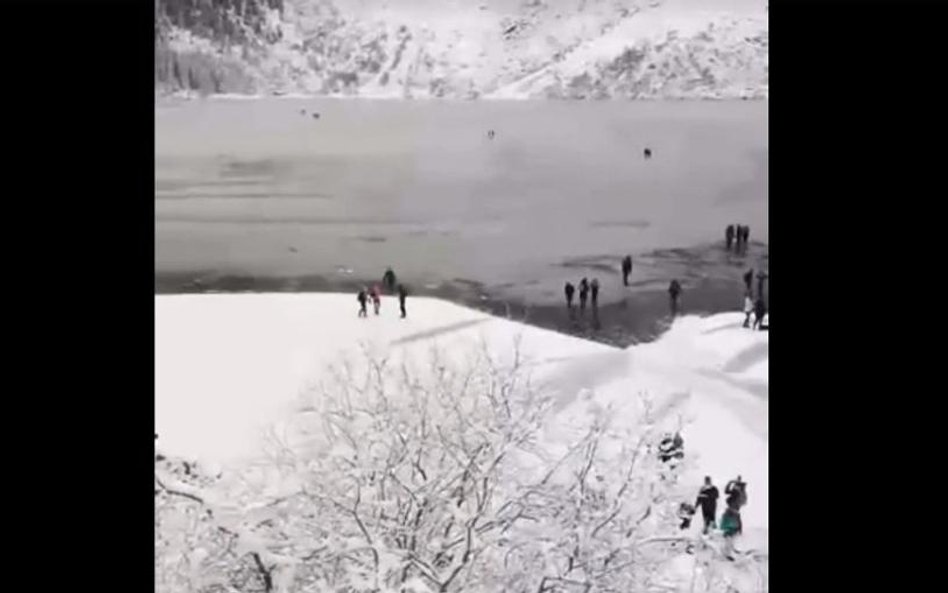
(228, 367)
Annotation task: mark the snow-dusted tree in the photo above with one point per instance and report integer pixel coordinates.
(452, 474)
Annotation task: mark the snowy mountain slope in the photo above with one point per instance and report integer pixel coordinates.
(499, 49)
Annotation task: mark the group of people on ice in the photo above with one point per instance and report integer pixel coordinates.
(586, 288)
(738, 236)
(375, 295)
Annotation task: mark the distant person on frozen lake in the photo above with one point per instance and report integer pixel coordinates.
(363, 299)
(674, 292)
(647, 153)
(626, 269)
(729, 236)
(388, 279)
(594, 289)
(402, 295)
(748, 279)
(708, 502)
(570, 290)
(583, 294)
(761, 278)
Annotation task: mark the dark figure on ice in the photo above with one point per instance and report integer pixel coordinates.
(671, 447)
(708, 502)
(685, 513)
(490, 134)
(745, 236)
(388, 279)
(761, 278)
(674, 291)
(748, 279)
(736, 493)
(626, 269)
(570, 290)
(760, 309)
(648, 153)
(363, 301)
(583, 294)
(402, 295)
(376, 295)
(594, 290)
(729, 236)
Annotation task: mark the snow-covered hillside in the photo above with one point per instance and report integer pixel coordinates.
(458, 49)
(238, 378)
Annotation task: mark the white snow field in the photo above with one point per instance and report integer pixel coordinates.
(230, 366)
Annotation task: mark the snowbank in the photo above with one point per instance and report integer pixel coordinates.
(230, 366)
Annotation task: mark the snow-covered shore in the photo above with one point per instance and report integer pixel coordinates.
(230, 366)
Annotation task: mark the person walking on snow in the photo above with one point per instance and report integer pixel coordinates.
(760, 309)
(729, 236)
(748, 308)
(363, 299)
(674, 291)
(736, 492)
(583, 294)
(569, 289)
(376, 298)
(594, 289)
(708, 502)
(402, 295)
(626, 269)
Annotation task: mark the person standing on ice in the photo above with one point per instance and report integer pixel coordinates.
(570, 290)
(626, 269)
(388, 279)
(594, 289)
(674, 292)
(746, 236)
(708, 502)
(363, 299)
(729, 236)
(376, 298)
(583, 294)
(749, 279)
(761, 278)
(402, 295)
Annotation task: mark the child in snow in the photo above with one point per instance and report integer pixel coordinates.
(748, 309)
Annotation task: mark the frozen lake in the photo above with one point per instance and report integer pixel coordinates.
(261, 187)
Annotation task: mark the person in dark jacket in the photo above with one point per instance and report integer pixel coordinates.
(402, 295)
(749, 279)
(388, 280)
(569, 290)
(736, 493)
(674, 291)
(648, 153)
(761, 278)
(363, 301)
(626, 269)
(760, 309)
(746, 236)
(594, 290)
(708, 502)
(729, 236)
(583, 294)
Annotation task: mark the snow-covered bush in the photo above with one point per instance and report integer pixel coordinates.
(444, 475)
